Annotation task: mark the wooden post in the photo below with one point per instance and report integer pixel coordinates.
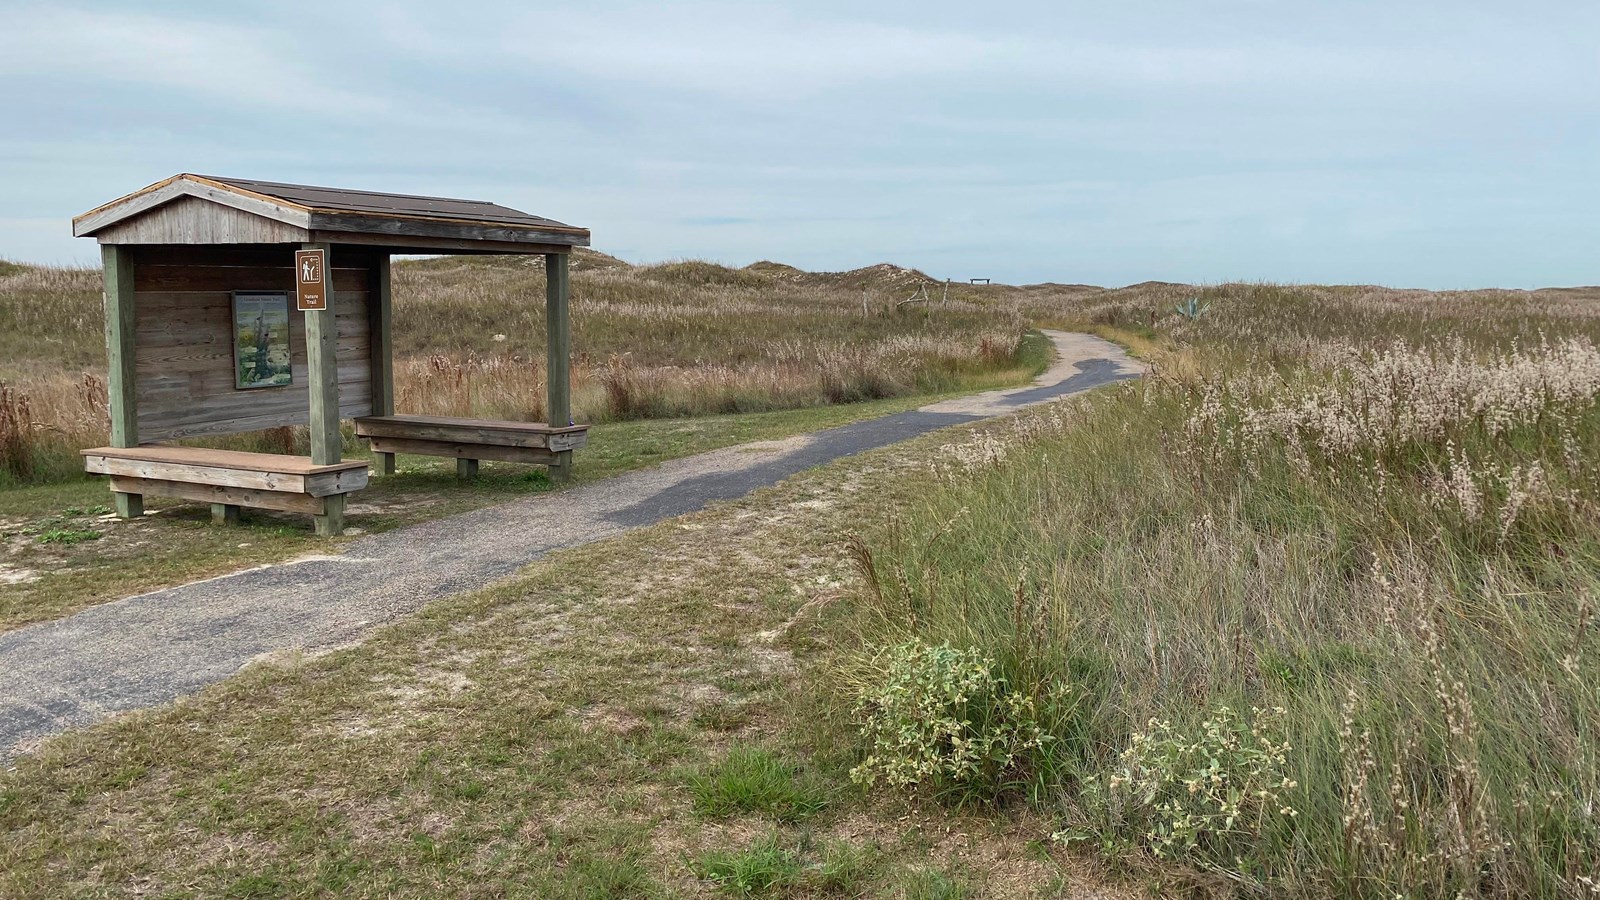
(120, 375)
(558, 356)
(380, 313)
(224, 514)
(327, 443)
(466, 469)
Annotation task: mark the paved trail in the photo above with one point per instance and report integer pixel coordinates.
(154, 648)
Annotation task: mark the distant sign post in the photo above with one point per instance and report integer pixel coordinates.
(311, 279)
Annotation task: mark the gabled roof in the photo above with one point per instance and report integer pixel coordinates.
(376, 203)
(308, 213)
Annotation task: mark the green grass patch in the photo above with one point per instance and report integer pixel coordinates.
(762, 869)
(68, 536)
(773, 865)
(754, 780)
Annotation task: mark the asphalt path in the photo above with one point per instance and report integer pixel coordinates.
(154, 648)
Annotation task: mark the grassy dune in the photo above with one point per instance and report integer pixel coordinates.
(671, 340)
(1309, 612)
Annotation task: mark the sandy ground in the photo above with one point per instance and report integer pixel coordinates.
(151, 649)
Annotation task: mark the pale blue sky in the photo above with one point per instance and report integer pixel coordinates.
(1428, 144)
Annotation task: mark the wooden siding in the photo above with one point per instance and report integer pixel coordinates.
(191, 220)
(183, 344)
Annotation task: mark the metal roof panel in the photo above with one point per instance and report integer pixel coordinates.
(380, 204)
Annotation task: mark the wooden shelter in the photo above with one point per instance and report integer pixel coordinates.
(196, 270)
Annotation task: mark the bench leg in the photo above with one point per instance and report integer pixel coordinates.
(224, 514)
(561, 469)
(129, 506)
(384, 462)
(466, 469)
(331, 522)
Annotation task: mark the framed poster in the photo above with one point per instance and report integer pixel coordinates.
(261, 356)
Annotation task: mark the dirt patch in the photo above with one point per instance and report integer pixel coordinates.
(613, 719)
(10, 574)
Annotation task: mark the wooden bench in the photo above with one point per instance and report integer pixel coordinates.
(229, 479)
(469, 440)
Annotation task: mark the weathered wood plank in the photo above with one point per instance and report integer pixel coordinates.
(200, 277)
(380, 318)
(327, 444)
(330, 523)
(464, 451)
(469, 431)
(167, 471)
(122, 381)
(234, 459)
(121, 315)
(140, 202)
(409, 419)
(192, 220)
(380, 336)
(558, 341)
(558, 350)
(457, 435)
(215, 493)
(453, 229)
(399, 243)
(185, 366)
(330, 483)
(240, 423)
(278, 255)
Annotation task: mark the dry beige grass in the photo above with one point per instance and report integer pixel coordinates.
(1321, 592)
(678, 339)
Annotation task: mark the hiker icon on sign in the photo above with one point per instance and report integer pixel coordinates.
(311, 290)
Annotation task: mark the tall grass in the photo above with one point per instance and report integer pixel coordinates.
(1322, 593)
(677, 339)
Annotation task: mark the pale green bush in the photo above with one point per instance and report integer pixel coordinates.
(944, 717)
(1197, 797)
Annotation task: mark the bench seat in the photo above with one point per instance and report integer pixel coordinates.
(227, 478)
(470, 440)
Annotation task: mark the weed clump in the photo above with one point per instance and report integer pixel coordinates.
(944, 717)
(1203, 797)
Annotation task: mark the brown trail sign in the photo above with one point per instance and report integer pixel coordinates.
(311, 290)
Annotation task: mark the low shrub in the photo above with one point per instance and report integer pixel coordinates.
(944, 717)
(1201, 796)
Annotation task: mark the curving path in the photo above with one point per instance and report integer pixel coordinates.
(151, 649)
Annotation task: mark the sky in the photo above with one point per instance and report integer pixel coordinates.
(1415, 144)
